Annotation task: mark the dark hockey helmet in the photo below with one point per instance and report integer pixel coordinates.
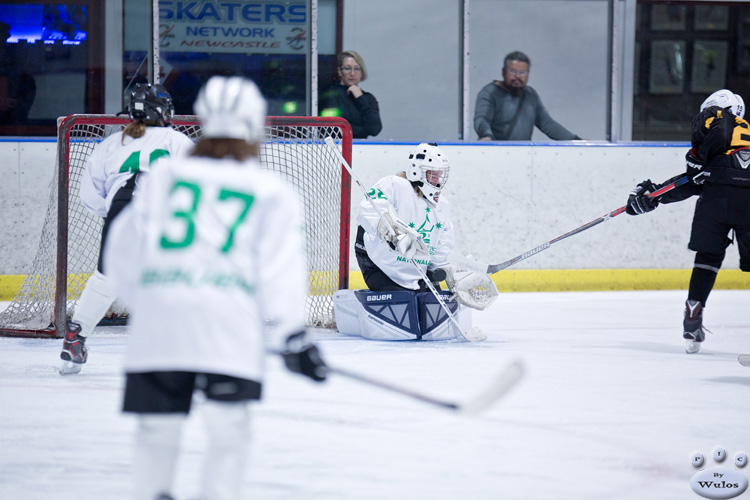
(151, 103)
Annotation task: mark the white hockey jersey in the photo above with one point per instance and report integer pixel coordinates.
(431, 221)
(209, 257)
(112, 162)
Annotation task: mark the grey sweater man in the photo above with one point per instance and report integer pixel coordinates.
(496, 108)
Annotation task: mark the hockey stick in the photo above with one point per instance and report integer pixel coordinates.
(493, 268)
(500, 385)
(473, 334)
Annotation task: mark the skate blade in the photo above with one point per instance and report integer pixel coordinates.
(70, 368)
(692, 347)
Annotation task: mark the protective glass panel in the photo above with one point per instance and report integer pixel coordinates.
(566, 43)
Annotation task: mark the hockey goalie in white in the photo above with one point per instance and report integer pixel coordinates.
(405, 236)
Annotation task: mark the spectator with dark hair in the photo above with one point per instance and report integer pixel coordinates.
(508, 110)
(347, 100)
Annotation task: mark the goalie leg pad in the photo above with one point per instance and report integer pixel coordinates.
(377, 315)
(346, 310)
(435, 323)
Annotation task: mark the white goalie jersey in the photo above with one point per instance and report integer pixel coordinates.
(431, 221)
(211, 253)
(117, 158)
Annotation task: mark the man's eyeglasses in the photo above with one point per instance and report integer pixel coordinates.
(515, 72)
(349, 69)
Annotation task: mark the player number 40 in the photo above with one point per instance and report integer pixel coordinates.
(186, 214)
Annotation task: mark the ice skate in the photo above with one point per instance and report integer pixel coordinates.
(691, 347)
(74, 352)
(693, 331)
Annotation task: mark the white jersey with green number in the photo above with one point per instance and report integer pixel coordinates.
(431, 221)
(209, 257)
(113, 161)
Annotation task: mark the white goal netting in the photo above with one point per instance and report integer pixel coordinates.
(69, 245)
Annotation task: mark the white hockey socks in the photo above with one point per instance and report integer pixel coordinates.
(95, 300)
(228, 427)
(157, 444)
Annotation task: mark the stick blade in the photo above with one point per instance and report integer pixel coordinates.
(474, 334)
(499, 387)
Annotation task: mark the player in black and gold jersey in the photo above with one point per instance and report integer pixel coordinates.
(718, 165)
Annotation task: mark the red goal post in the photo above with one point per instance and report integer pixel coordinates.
(69, 246)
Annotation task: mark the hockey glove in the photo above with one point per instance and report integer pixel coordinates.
(695, 167)
(405, 240)
(475, 290)
(639, 201)
(303, 357)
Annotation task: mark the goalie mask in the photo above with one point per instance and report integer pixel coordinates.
(428, 169)
(151, 103)
(232, 108)
(726, 99)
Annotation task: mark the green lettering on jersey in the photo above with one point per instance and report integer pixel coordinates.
(373, 193)
(133, 163)
(156, 154)
(247, 201)
(187, 215)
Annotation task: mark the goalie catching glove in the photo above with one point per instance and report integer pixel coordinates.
(302, 356)
(402, 238)
(639, 202)
(471, 289)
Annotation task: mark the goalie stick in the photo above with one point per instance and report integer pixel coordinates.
(493, 268)
(744, 359)
(496, 389)
(473, 334)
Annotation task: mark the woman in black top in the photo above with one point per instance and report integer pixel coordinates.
(347, 100)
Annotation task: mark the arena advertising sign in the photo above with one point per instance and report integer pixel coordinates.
(268, 27)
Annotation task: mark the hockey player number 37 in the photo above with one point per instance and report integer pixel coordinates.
(187, 215)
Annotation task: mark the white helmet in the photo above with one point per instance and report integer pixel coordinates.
(428, 158)
(231, 107)
(726, 99)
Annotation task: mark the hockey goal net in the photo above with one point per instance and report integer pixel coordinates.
(69, 245)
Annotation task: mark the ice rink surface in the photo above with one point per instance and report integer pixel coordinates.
(611, 407)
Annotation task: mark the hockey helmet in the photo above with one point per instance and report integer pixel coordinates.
(726, 99)
(233, 108)
(428, 169)
(151, 103)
